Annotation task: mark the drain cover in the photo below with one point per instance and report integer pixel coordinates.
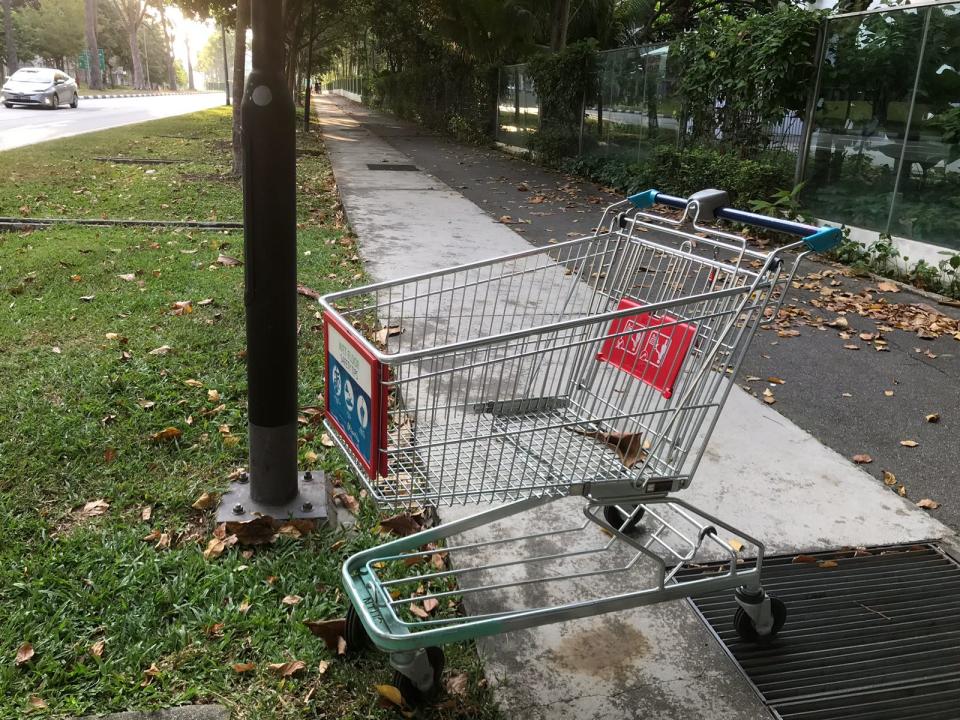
(870, 635)
(392, 166)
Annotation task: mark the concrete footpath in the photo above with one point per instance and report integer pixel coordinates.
(760, 471)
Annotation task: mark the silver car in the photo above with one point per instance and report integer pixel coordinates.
(40, 86)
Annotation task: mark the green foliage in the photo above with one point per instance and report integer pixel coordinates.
(448, 94)
(564, 82)
(685, 171)
(740, 75)
(50, 29)
(782, 204)
(884, 258)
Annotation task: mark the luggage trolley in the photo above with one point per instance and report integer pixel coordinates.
(595, 367)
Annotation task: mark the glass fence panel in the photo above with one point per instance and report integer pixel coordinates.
(861, 115)
(518, 111)
(631, 112)
(927, 203)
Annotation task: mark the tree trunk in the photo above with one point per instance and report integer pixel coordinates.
(558, 24)
(190, 84)
(90, 9)
(10, 41)
(239, 76)
(168, 50)
(134, 41)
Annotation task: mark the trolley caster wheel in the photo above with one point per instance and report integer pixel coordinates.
(355, 633)
(615, 518)
(413, 695)
(744, 625)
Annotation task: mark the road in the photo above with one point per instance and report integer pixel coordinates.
(25, 126)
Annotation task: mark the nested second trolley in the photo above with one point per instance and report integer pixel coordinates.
(595, 367)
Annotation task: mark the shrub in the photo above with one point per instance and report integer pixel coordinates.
(684, 171)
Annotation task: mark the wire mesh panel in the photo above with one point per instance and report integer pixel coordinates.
(601, 359)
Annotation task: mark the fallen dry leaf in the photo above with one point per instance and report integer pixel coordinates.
(902, 491)
(243, 667)
(629, 446)
(243, 607)
(932, 418)
(181, 307)
(768, 396)
(909, 443)
(288, 669)
(291, 599)
(259, 531)
(888, 393)
(146, 513)
(332, 631)
(344, 499)
(776, 380)
(402, 524)
(228, 261)
(390, 694)
(827, 564)
(204, 502)
(804, 559)
(94, 508)
(166, 435)
(419, 611)
(193, 383)
(308, 292)
(162, 350)
(326, 441)
(840, 322)
(456, 684)
(109, 455)
(430, 604)
(24, 654)
(163, 542)
(36, 702)
(928, 504)
(213, 396)
(310, 457)
(887, 286)
(216, 546)
(862, 459)
(97, 648)
(323, 666)
(381, 335)
(889, 478)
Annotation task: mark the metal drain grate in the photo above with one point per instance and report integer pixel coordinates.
(392, 166)
(877, 636)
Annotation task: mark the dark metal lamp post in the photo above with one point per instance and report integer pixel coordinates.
(273, 487)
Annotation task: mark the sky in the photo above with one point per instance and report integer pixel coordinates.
(189, 29)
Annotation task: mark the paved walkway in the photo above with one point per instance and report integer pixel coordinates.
(838, 395)
(761, 470)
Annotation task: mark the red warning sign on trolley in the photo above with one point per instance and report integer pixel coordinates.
(354, 396)
(650, 347)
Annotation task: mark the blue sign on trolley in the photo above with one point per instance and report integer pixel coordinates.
(350, 392)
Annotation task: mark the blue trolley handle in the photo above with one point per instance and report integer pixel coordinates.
(815, 238)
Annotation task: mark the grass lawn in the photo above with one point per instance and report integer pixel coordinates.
(92, 364)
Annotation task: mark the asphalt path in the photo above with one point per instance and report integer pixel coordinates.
(858, 402)
(20, 126)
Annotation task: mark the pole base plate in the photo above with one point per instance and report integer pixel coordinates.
(311, 502)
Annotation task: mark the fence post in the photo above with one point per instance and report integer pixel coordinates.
(811, 109)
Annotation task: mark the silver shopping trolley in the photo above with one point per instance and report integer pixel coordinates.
(595, 367)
